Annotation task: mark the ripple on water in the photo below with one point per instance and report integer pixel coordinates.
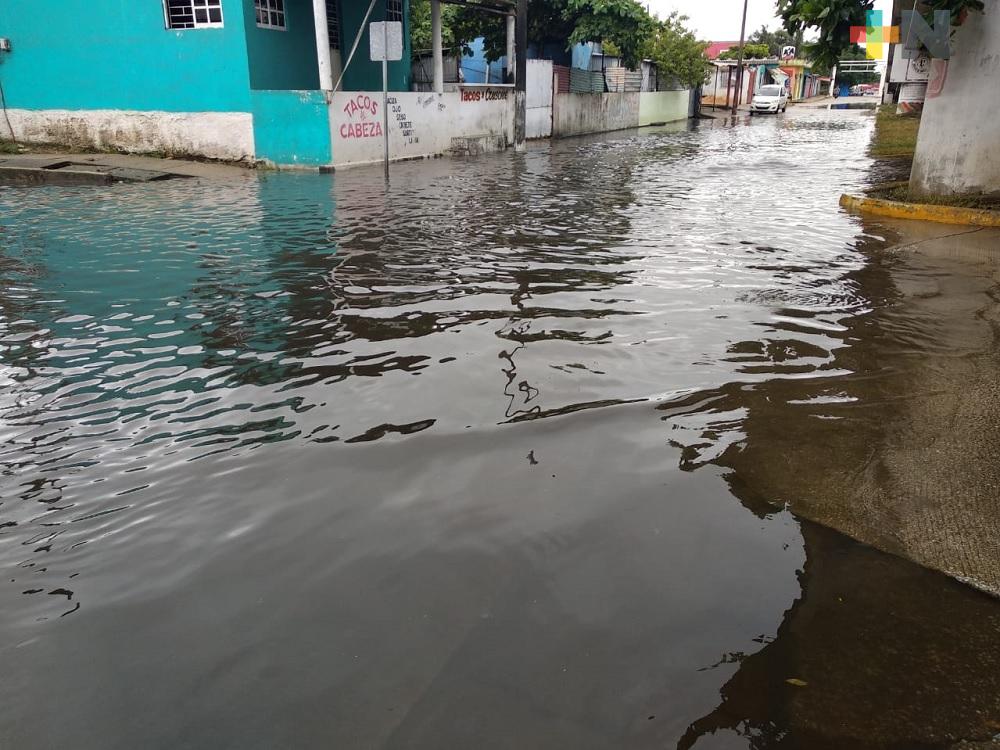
(253, 376)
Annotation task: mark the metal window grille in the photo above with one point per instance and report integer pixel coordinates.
(393, 10)
(270, 13)
(193, 14)
(333, 23)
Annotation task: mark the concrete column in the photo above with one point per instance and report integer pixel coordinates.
(436, 46)
(322, 45)
(511, 63)
(521, 77)
(959, 130)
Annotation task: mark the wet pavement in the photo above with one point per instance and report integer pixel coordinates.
(518, 454)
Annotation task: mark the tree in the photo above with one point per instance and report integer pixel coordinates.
(420, 27)
(834, 19)
(623, 23)
(750, 52)
(677, 52)
(775, 40)
(854, 52)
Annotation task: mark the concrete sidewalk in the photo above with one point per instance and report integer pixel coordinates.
(905, 456)
(44, 168)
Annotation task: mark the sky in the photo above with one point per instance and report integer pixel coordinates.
(719, 20)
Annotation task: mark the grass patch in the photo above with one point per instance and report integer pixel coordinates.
(895, 135)
(900, 192)
(9, 147)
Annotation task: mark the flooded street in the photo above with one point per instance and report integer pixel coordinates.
(529, 451)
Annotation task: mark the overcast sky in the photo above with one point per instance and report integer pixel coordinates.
(719, 20)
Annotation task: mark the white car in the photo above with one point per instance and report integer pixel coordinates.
(770, 98)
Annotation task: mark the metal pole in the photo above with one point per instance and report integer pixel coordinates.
(739, 64)
(385, 94)
(436, 46)
(511, 26)
(521, 76)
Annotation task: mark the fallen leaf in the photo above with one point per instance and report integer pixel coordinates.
(797, 682)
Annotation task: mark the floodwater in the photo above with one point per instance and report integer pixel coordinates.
(516, 454)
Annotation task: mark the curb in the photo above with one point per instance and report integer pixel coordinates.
(921, 211)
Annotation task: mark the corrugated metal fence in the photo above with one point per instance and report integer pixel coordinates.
(614, 80)
(621, 80)
(586, 81)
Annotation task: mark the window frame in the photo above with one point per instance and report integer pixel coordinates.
(333, 24)
(206, 5)
(394, 10)
(266, 8)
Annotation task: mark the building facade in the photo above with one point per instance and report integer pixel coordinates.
(231, 79)
(275, 81)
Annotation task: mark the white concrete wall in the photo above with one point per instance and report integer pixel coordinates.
(663, 106)
(539, 99)
(217, 135)
(420, 124)
(578, 114)
(958, 148)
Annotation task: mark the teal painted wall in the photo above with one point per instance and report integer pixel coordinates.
(117, 54)
(292, 127)
(282, 59)
(363, 74)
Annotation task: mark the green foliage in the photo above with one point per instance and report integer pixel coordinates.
(677, 52)
(834, 19)
(623, 27)
(624, 23)
(420, 27)
(959, 9)
(546, 23)
(775, 40)
(750, 52)
(853, 79)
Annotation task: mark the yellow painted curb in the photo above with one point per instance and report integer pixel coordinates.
(976, 217)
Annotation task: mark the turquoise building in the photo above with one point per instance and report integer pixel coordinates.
(233, 79)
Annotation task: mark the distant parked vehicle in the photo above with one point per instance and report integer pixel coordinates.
(771, 98)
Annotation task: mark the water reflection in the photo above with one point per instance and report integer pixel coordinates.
(872, 655)
(310, 462)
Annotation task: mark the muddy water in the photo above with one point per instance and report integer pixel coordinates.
(496, 458)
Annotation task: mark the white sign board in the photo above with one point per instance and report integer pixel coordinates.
(912, 70)
(385, 40)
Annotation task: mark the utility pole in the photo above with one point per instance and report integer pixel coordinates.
(437, 52)
(521, 76)
(511, 46)
(739, 64)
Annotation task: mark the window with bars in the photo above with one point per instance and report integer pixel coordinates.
(192, 14)
(333, 23)
(270, 13)
(393, 10)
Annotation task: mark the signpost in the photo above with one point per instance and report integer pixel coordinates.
(385, 42)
